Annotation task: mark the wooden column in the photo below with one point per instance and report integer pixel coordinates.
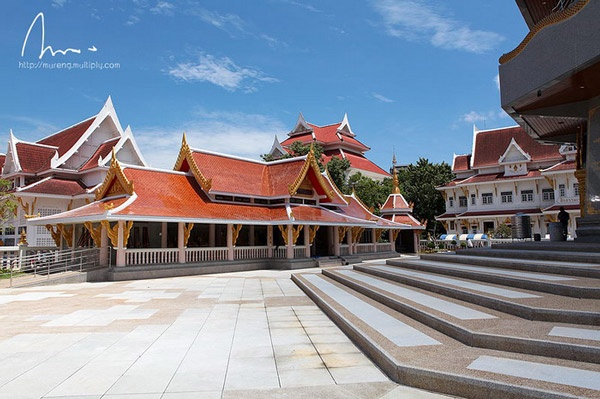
(290, 242)
(104, 249)
(229, 242)
(306, 239)
(211, 235)
(336, 241)
(120, 247)
(270, 241)
(163, 235)
(350, 242)
(180, 241)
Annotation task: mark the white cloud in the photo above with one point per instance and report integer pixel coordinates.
(222, 72)
(497, 81)
(415, 19)
(58, 3)
(382, 98)
(163, 7)
(236, 133)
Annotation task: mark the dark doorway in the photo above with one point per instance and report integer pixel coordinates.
(321, 245)
(405, 243)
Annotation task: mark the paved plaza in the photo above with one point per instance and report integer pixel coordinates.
(250, 335)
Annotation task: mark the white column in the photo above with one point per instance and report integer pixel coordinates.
(180, 243)
(104, 249)
(336, 241)
(251, 235)
(229, 242)
(416, 241)
(211, 235)
(374, 239)
(270, 241)
(350, 243)
(306, 243)
(120, 248)
(163, 235)
(290, 246)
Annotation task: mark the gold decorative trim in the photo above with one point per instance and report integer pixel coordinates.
(107, 187)
(95, 232)
(67, 233)
(310, 163)
(187, 230)
(54, 233)
(551, 19)
(342, 230)
(126, 231)
(112, 232)
(236, 233)
(185, 154)
(312, 233)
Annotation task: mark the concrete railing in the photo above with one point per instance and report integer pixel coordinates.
(257, 252)
(151, 256)
(195, 255)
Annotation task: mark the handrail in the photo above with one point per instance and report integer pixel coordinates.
(549, 20)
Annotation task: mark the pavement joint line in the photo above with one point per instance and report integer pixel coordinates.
(188, 349)
(271, 339)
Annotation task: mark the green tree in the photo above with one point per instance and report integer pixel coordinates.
(337, 168)
(8, 204)
(298, 149)
(418, 184)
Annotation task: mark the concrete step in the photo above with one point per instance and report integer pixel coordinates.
(470, 324)
(522, 303)
(563, 246)
(414, 354)
(541, 266)
(579, 287)
(539, 254)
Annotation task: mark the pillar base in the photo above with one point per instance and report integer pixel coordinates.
(588, 229)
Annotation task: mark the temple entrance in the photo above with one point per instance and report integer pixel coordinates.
(322, 243)
(405, 243)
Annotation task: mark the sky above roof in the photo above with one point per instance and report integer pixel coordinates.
(413, 75)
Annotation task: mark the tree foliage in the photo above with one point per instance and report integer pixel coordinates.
(8, 204)
(418, 184)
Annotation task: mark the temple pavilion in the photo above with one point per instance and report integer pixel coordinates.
(216, 207)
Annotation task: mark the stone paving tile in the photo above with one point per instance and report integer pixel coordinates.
(187, 337)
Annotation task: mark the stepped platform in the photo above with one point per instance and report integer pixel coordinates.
(462, 327)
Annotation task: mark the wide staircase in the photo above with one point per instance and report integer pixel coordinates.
(509, 322)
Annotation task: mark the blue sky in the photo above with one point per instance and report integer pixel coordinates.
(413, 75)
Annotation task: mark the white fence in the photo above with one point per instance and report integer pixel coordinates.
(258, 252)
(195, 255)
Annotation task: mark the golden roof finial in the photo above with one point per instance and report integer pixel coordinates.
(396, 189)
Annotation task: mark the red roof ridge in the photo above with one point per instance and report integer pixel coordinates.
(67, 128)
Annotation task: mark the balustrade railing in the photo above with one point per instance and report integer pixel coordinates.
(257, 252)
(151, 256)
(195, 255)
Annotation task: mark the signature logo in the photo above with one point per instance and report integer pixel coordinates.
(43, 47)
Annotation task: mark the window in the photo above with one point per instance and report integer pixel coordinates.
(452, 225)
(462, 201)
(576, 189)
(548, 194)
(561, 190)
(487, 198)
(451, 201)
(473, 199)
(527, 195)
(506, 197)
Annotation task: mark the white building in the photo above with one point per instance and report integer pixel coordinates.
(60, 172)
(507, 173)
